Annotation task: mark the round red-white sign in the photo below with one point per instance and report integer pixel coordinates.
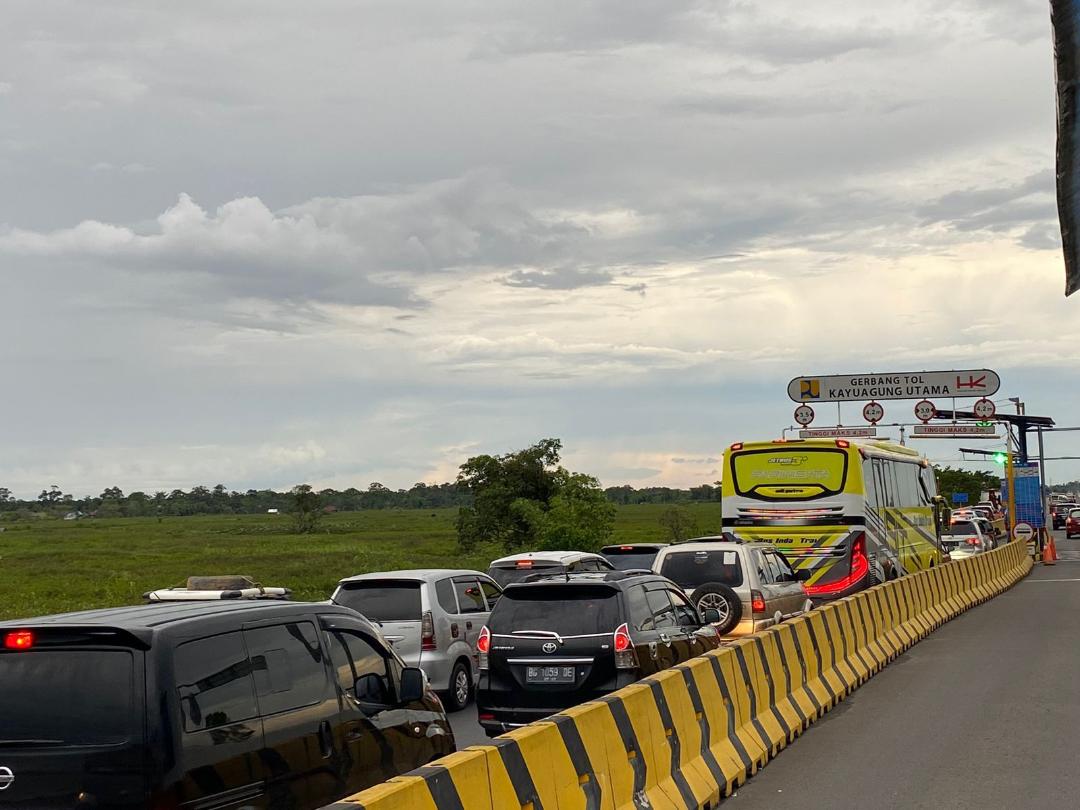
(804, 415)
(925, 410)
(873, 412)
(984, 409)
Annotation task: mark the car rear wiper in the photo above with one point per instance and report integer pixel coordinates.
(31, 743)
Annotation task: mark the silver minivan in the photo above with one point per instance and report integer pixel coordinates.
(751, 585)
(432, 617)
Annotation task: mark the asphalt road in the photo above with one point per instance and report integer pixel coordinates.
(466, 730)
(983, 713)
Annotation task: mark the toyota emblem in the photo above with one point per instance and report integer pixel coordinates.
(549, 647)
(6, 778)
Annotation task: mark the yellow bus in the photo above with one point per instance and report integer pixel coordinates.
(852, 514)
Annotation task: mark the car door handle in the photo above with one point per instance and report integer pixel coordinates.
(326, 740)
(468, 625)
(664, 637)
(453, 630)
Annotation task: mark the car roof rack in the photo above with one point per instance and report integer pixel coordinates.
(615, 576)
(202, 589)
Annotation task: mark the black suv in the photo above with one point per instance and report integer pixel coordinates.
(207, 704)
(557, 641)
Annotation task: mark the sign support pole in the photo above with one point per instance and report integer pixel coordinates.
(1011, 482)
(1048, 524)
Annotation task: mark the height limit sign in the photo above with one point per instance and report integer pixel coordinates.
(873, 412)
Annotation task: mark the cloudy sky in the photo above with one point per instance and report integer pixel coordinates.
(261, 243)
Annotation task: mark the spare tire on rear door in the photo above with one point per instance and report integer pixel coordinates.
(723, 599)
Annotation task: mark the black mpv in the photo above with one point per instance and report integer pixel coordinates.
(557, 641)
(222, 704)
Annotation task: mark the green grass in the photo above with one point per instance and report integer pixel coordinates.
(52, 566)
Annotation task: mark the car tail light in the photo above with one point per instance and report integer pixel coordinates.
(483, 647)
(524, 563)
(973, 541)
(19, 640)
(625, 657)
(484, 716)
(860, 567)
(757, 602)
(427, 632)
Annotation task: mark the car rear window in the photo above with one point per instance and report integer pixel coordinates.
(382, 601)
(626, 559)
(72, 697)
(962, 527)
(569, 610)
(691, 569)
(512, 572)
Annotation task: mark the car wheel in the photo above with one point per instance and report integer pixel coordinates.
(461, 688)
(723, 600)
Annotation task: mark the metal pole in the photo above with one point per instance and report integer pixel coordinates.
(1011, 483)
(1044, 498)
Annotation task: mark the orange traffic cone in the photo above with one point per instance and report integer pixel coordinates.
(1050, 555)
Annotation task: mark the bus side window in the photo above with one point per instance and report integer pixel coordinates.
(870, 484)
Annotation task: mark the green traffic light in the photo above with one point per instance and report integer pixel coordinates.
(999, 458)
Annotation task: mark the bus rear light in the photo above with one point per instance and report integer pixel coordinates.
(19, 640)
(860, 567)
(427, 632)
(843, 444)
(737, 446)
(757, 602)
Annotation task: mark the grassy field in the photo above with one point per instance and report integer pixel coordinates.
(50, 566)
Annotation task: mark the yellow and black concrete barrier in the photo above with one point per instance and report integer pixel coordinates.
(685, 738)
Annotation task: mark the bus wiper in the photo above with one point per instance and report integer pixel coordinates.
(32, 743)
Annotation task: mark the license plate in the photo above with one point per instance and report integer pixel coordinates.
(549, 675)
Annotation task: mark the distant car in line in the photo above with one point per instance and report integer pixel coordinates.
(965, 538)
(1060, 512)
(750, 585)
(225, 704)
(518, 567)
(558, 640)
(631, 556)
(1072, 523)
(432, 617)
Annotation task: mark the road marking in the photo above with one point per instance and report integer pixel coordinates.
(1053, 580)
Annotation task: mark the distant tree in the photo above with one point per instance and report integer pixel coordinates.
(5, 495)
(679, 523)
(972, 483)
(526, 500)
(51, 495)
(306, 508)
(113, 494)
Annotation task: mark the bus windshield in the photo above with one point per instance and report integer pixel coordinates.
(789, 473)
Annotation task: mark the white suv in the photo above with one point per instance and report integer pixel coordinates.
(751, 585)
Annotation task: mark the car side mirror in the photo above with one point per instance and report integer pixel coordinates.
(412, 685)
(371, 689)
(710, 615)
(802, 575)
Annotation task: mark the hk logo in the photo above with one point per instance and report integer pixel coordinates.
(809, 389)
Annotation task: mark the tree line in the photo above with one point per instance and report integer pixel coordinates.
(219, 500)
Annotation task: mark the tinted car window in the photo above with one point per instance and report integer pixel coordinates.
(491, 592)
(570, 610)
(641, 616)
(663, 613)
(690, 569)
(352, 656)
(765, 573)
(962, 527)
(685, 614)
(470, 598)
(79, 697)
(444, 592)
(382, 601)
(288, 667)
(787, 573)
(213, 678)
(515, 573)
(628, 560)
